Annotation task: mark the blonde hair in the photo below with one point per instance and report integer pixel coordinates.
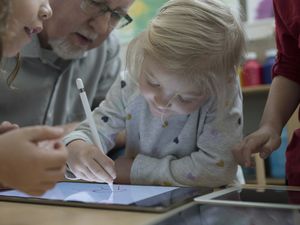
(202, 40)
(5, 9)
(4, 12)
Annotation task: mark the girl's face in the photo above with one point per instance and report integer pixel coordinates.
(25, 19)
(166, 93)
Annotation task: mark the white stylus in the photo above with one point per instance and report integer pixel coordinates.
(89, 117)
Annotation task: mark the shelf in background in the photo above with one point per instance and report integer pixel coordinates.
(256, 89)
(269, 180)
(259, 29)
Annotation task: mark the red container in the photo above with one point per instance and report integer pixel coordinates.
(252, 71)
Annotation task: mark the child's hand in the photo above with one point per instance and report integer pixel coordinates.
(87, 162)
(264, 141)
(26, 166)
(123, 168)
(7, 126)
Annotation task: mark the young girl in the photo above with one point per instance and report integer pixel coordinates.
(26, 19)
(179, 101)
(28, 161)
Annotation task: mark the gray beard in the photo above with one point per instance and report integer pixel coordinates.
(64, 49)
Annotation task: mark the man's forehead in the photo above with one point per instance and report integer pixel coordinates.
(122, 4)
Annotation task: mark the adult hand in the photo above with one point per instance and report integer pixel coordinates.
(263, 141)
(123, 168)
(28, 167)
(7, 126)
(89, 163)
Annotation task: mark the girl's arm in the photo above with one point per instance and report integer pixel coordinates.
(212, 164)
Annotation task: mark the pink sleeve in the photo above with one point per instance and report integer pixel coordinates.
(287, 20)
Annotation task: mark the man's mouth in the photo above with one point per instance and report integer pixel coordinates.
(83, 40)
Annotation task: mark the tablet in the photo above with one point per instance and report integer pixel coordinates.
(209, 214)
(269, 196)
(99, 195)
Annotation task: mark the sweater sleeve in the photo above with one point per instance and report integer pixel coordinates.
(287, 20)
(212, 164)
(109, 116)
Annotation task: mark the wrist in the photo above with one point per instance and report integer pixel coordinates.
(272, 127)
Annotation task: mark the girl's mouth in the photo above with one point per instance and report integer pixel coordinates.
(31, 31)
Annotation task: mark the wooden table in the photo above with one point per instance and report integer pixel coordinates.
(35, 214)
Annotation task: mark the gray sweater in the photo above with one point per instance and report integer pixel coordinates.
(45, 88)
(192, 150)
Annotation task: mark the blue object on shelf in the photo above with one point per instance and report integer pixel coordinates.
(277, 158)
(267, 66)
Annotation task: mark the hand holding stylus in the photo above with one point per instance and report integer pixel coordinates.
(88, 163)
(94, 132)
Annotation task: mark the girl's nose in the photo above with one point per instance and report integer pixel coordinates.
(45, 12)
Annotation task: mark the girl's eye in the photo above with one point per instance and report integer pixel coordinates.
(152, 82)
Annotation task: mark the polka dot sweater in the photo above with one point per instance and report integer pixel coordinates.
(184, 150)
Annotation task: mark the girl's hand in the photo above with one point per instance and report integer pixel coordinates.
(6, 126)
(87, 162)
(28, 167)
(263, 141)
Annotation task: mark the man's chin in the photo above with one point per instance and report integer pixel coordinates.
(66, 50)
(68, 55)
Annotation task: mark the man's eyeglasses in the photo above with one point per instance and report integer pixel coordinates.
(118, 19)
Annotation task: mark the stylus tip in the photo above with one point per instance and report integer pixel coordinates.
(111, 186)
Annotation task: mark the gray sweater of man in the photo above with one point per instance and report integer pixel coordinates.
(45, 88)
(191, 150)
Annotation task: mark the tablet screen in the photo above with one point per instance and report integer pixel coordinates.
(135, 197)
(263, 195)
(272, 196)
(232, 215)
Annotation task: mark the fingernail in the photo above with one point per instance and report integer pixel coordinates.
(5, 123)
(109, 181)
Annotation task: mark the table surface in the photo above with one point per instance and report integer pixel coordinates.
(30, 214)
(35, 214)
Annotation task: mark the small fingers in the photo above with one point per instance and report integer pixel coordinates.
(37, 190)
(251, 144)
(99, 172)
(241, 154)
(265, 152)
(53, 159)
(85, 173)
(41, 133)
(91, 164)
(269, 147)
(6, 126)
(34, 192)
(106, 163)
